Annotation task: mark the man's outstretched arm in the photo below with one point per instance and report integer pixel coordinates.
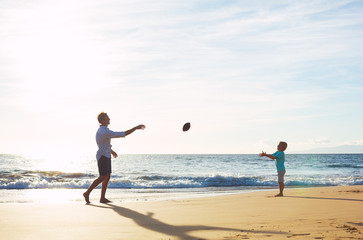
(134, 129)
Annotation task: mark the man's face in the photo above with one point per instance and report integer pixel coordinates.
(106, 121)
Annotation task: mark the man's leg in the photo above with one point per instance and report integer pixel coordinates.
(93, 185)
(104, 188)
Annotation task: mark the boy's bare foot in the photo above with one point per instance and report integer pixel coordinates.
(105, 200)
(86, 197)
(279, 195)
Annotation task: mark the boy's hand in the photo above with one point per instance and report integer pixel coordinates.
(262, 154)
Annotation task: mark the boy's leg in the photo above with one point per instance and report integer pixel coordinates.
(104, 188)
(281, 175)
(281, 187)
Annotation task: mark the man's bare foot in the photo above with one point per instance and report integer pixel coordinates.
(279, 195)
(105, 200)
(86, 197)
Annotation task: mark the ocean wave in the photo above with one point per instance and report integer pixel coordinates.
(157, 181)
(41, 179)
(343, 166)
(24, 179)
(229, 181)
(42, 174)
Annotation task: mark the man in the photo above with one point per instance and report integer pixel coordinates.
(103, 139)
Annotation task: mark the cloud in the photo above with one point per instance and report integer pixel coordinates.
(250, 62)
(354, 143)
(320, 141)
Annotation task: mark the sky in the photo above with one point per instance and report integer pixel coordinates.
(246, 74)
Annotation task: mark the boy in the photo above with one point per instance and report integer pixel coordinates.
(279, 158)
(103, 139)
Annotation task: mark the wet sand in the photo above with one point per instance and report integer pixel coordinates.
(306, 213)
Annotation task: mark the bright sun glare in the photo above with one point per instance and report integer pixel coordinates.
(55, 60)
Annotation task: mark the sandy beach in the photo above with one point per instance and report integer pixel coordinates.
(306, 213)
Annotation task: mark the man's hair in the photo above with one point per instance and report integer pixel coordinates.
(101, 117)
(284, 145)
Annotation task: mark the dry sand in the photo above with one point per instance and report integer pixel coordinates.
(313, 213)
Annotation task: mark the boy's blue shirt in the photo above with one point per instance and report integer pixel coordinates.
(280, 161)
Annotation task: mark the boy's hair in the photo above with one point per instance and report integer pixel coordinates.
(284, 145)
(101, 117)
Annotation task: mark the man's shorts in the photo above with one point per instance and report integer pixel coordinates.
(104, 166)
(280, 176)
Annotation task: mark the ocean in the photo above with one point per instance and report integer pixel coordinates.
(155, 177)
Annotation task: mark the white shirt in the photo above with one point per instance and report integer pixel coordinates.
(103, 139)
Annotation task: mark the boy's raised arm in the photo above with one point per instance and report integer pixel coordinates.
(264, 154)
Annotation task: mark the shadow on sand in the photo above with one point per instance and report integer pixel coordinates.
(322, 198)
(147, 221)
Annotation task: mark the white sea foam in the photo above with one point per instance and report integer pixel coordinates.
(187, 171)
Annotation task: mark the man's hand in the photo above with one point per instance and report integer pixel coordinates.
(142, 127)
(114, 154)
(262, 154)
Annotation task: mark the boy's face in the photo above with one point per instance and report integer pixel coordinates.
(280, 147)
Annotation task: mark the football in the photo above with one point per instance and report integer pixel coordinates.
(186, 127)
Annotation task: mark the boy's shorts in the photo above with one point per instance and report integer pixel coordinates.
(280, 176)
(104, 166)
